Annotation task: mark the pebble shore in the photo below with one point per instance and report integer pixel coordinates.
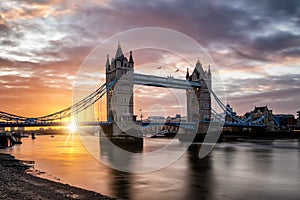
(15, 183)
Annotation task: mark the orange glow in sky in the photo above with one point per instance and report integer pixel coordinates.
(43, 44)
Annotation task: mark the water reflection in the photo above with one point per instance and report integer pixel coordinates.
(248, 170)
(113, 155)
(259, 169)
(200, 175)
(265, 158)
(229, 156)
(121, 184)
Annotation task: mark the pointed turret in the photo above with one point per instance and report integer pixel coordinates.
(119, 54)
(130, 58)
(199, 67)
(107, 65)
(187, 74)
(209, 72)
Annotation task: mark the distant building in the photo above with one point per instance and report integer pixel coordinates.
(286, 120)
(177, 118)
(232, 117)
(262, 114)
(272, 121)
(163, 127)
(258, 112)
(261, 111)
(229, 118)
(298, 120)
(156, 119)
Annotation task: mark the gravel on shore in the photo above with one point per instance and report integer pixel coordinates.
(15, 183)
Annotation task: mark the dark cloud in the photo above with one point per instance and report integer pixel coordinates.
(285, 80)
(281, 88)
(287, 7)
(9, 43)
(203, 20)
(281, 100)
(230, 23)
(277, 41)
(291, 52)
(4, 30)
(273, 82)
(250, 55)
(42, 2)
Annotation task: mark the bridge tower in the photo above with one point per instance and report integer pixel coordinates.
(202, 111)
(120, 97)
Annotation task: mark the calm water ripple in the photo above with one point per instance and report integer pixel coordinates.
(245, 170)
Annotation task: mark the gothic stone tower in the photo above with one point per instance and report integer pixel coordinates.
(120, 97)
(202, 111)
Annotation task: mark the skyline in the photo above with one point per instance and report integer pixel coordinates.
(255, 47)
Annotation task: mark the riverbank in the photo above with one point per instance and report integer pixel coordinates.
(240, 136)
(15, 183)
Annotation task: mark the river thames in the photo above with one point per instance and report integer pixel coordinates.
(237, 170)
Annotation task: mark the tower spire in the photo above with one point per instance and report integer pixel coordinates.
(119, 53)
(107, 65)
(187, 74)
(199, 69)
(130, 58)
(209, 72)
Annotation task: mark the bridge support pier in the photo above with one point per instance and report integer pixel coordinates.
(128, 141)
(3, 140)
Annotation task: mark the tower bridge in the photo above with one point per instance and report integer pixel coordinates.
(120, 98)
(120, 80)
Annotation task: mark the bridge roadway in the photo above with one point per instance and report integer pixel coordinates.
(168, 82)
(42, 124)
(189, 125)
(90, 123)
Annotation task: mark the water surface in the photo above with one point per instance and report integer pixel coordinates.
(248, 170)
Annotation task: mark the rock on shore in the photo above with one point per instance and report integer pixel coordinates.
(16, 184)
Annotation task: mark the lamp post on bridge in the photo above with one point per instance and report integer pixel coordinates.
(141, 116)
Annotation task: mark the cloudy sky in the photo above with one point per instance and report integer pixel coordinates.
(255, 44)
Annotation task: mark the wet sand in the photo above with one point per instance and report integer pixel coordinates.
(15, 183)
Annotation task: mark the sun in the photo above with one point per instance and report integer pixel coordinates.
(72, 127)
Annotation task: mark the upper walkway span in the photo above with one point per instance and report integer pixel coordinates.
(167, 82)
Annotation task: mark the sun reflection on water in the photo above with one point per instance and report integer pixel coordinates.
(72, 130)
